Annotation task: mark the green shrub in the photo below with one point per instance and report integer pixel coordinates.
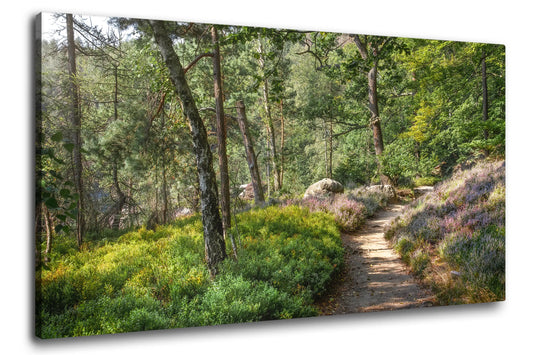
(158, 279)
(404, 246)
(234, 299)
(426, 181)
(419, 261)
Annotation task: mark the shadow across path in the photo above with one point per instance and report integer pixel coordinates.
(374, 277)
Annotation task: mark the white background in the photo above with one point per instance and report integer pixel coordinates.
(484, 329)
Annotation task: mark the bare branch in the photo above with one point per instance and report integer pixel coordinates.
(193, 63)
(212, 109)
(353, 128)
(361, 46)
(308, 50)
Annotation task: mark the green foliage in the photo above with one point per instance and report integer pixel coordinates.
(137, 152)
(426, 181)
(294, 249)
(398, 161)
(235, 299)
(148, 279)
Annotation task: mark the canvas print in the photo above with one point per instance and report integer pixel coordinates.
(192, 174)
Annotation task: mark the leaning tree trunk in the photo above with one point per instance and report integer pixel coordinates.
(215, 248)
(76, 127)
(250, 154)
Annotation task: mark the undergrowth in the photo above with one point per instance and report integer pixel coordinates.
(350, 210)
(454, 237)
(146, 279)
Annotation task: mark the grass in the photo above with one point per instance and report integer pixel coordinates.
(459, 227)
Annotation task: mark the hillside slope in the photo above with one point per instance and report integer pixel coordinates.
(454, 237)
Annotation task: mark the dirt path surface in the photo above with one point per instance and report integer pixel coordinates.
(374, 277)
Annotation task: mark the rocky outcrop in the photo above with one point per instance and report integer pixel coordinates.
(324, 187)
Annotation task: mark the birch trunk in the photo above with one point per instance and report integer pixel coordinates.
(215, 248)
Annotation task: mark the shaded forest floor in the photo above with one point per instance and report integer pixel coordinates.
(374, 277)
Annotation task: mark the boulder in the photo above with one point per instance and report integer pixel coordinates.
(324, 187)
(247, 191)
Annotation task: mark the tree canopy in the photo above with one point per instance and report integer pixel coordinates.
(115, 148)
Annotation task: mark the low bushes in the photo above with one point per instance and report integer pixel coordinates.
(158, 279)
(349, 210)
(459, 227)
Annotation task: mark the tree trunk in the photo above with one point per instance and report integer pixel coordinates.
(165, 193)
(485, 95)
(330, 139)
(326, 170)
(269, 123)
(121, 199)
(366, 50)
(49, 233)
(76, 127)
(375, 120)
(221, 135)
(250, 155)
(215, 248)
(282, 146)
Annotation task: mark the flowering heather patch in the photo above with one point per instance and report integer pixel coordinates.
(350, 210)
(461, 223)
(372, 200)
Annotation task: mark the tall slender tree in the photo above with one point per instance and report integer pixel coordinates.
(271, 133)
(370, 48)
(259, 196)
(221, 134)
(215, 248)
(75, 117)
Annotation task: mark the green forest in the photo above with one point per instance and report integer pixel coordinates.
(172, 160)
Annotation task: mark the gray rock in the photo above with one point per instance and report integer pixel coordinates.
(324, 187)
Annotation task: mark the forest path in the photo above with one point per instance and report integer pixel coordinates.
(374, 277)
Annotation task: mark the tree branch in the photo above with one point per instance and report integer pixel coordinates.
(353, 128)
(361, 47)
(379, 48)
(193, 63)
(308, 50)
(212, 109)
